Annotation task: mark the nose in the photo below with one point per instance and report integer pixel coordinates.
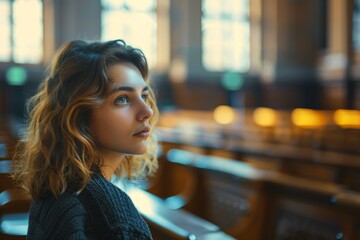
(145, 112)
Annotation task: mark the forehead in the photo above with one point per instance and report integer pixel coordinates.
(125, 74)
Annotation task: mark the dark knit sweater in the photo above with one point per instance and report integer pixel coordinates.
(100, 211)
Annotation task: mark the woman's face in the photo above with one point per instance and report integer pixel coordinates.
(121, 123)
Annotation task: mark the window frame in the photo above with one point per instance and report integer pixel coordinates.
(12, 43)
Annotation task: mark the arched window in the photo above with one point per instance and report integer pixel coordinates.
(226, 35)
(133, 21)
(21, 34)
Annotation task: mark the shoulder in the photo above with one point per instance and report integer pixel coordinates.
(101, 209)
(111, 208)
(57, 218)
(51, 209)
(101, 195)
(106, 195)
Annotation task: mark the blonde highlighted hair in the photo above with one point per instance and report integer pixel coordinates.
(58, 150)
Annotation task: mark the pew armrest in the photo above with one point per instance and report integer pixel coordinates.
(14, 200)
(14, 216)
(14, 224)
(348, 198)
(178, 224)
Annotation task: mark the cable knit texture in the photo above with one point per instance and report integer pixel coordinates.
(100, 211)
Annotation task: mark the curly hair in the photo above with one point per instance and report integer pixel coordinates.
(58, 151)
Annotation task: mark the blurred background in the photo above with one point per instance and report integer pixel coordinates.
(272, 84)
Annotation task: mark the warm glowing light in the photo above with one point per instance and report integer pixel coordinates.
(224, 114)
(308, 118)
(265, 117)
(347, 118)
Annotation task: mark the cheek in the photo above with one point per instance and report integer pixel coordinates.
(107, 126)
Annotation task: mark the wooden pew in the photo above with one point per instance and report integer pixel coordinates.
(349, 202)
(284, 131)
(228, 194)
(317, 164)
(170, 224)
(305, 208)
(14, 207)
(331, 150)
(277, 206)
(3, 151)
(5, 179)
(7, 142)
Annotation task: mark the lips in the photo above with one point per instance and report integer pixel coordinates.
(143, 132)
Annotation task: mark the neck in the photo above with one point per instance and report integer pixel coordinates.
(107, 171)
(111, 160)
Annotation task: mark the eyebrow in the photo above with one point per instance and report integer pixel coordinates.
(127, 88)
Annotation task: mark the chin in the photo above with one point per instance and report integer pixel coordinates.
(135, 153)
(143, 149)
(142, 152)
(139, 151)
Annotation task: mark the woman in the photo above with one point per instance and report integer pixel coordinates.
(91, 119)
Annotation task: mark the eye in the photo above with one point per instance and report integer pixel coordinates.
(122, 100)
(145, 96)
